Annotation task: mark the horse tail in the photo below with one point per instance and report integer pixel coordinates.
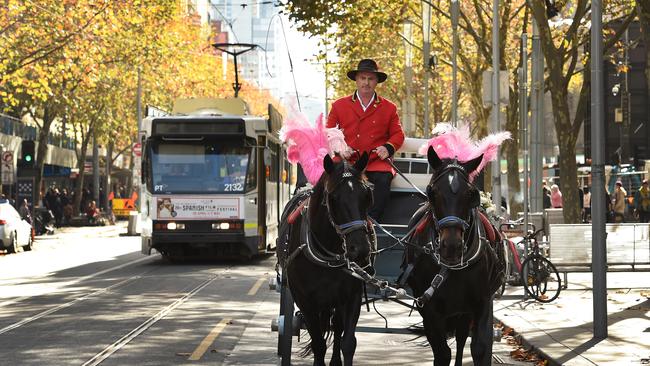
(325, 319)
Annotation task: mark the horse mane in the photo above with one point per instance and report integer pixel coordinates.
(455, 143)
(308, 144)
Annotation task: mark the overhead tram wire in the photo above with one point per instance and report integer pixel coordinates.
(286, 44)
(214, 6)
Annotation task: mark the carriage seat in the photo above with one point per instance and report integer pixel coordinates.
(492, 234)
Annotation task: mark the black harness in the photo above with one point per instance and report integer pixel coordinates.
(474, 233)
(313, 250)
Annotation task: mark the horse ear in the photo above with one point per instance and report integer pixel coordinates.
(361, 164)
(328, 164)
(434, 160)
(471, 165)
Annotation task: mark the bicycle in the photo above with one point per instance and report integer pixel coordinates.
(536, 273)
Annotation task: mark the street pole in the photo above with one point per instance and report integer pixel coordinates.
(536, 113)
(523, 118)
(496, 165)
(454, 59)
(138, 101)
(598, 246)
(408, 79)
(96, 171)
(625, 106)
(326, 96)
(426, 50)
(523, 108)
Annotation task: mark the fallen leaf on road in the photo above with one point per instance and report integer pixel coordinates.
(518, 354)
(183, 354)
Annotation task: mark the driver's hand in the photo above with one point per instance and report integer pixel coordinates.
(382, 152)
(345, 154)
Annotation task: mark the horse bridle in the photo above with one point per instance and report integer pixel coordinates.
(451, 221)
(315, 252)
(343, 229)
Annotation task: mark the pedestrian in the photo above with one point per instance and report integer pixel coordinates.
(546, 195)
(25, 212)
(642, 202)
(369, 123)
(556, 196)
(618, 202)
(586, 206)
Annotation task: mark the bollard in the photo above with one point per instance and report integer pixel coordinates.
(134, 221)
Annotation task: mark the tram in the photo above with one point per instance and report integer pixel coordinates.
(214, 180)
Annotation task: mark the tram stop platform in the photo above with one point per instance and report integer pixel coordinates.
(562, 331)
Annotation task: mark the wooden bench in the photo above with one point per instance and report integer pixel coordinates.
(628, 247)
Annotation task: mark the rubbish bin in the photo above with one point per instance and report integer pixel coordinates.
(133, 227)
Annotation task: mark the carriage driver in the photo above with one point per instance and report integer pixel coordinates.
(369, 123)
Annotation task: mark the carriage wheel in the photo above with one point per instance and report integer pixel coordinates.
(285, 323)
(541, 278)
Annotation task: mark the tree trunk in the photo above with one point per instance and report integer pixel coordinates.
(474, 85)
(81, 160)
(567, 142)
(643, 10)
(511, 150)
(43, 133)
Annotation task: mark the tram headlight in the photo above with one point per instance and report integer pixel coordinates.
(175, 226)
(221, 226)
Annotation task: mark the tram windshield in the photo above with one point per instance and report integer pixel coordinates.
(201, 167)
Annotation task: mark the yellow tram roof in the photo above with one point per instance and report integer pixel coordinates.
(233, 106)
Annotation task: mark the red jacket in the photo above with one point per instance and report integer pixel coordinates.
(364, 131)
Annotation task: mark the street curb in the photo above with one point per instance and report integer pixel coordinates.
(522, 339)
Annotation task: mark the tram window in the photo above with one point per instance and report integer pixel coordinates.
(200, 167)
(251, 172)
(274, 168)
(419, 168)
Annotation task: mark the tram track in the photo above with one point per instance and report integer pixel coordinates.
(142, 327)
(68, 304)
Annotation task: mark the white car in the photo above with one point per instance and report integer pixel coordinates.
(14, 231)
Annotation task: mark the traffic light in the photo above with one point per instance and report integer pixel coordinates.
(28, 154)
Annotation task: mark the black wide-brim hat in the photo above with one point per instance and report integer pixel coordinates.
(368, 65)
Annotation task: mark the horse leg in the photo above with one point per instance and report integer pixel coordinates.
(437, 337)
(462, 331)
(481, 345)
(317, 343)
(350, 316)
(337, 328)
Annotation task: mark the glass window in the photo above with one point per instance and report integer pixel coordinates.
(206, 166)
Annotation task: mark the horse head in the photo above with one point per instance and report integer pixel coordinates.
(453, 198)
(348, 197)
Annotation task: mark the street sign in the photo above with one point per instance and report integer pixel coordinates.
(7, 167)
(137, 149)
(25, 189)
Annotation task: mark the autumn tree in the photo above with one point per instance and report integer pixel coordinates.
(562, 47)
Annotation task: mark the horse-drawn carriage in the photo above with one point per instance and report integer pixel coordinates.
(431, 252)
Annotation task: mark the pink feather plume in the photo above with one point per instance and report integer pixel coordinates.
(308, 144)
(450, 143)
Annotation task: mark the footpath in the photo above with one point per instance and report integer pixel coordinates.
(562, 331)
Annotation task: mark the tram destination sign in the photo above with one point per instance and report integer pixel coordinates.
(194, 127)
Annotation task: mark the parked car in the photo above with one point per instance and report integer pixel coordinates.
(14, 231)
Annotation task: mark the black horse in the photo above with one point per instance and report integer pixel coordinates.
(451, 266)
(323, 242)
